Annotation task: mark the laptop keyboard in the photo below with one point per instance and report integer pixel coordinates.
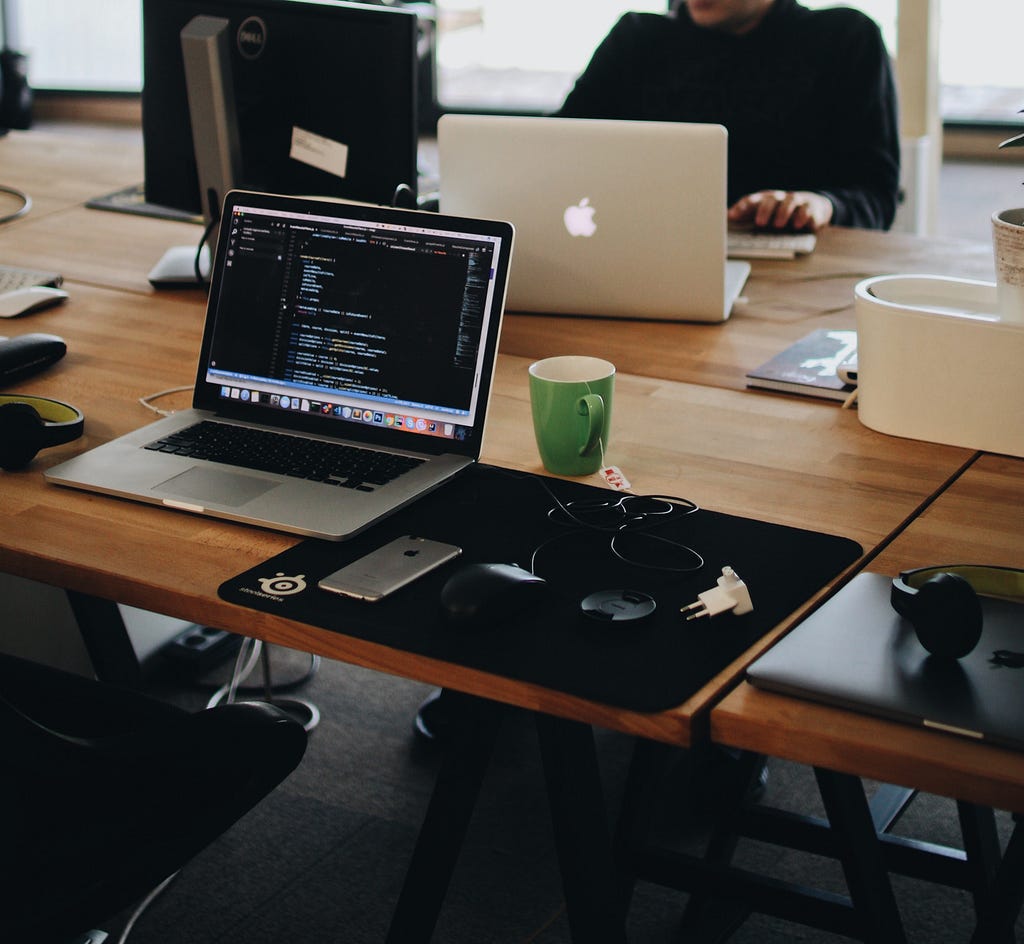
(743, 244)
(266, 451)
(15, 277)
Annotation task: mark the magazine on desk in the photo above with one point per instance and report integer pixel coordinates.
(821, 364)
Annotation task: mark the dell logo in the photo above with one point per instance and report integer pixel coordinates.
(252, 38)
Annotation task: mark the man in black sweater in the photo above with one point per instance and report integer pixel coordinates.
(807, 97)
(808, 100)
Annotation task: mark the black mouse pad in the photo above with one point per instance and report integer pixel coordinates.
(496, 515)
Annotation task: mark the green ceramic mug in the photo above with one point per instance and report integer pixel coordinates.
(571, 399)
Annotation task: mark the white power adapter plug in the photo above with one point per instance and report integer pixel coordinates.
(730, 594)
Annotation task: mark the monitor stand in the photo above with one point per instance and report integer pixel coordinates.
(132, 199)
(211, 102)
(177, 268)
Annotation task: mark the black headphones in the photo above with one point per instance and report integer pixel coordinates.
(943, 605)
(28, 424)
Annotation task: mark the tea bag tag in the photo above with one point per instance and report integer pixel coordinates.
(612, 474)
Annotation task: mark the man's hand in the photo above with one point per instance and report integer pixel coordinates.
(783, 209)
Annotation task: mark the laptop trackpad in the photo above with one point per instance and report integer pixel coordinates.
(212, 487)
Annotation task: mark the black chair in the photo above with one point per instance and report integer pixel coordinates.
(104, 792)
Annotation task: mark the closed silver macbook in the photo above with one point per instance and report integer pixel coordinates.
(613, 218)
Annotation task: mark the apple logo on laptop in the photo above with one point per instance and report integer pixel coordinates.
(579, 218)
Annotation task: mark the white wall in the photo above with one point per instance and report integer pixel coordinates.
(36, 622)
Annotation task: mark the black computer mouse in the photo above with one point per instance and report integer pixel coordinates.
(483, 595)
(27, 354)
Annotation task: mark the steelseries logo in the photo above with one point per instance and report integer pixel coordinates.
(273, 588)
(251, 38)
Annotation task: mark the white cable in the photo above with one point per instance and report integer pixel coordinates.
(245, 662)
(145, 401)
(144, 904)
(26, 203)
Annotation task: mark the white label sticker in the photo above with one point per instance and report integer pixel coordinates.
(319, 152)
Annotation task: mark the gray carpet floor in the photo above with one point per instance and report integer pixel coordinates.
(323, 857)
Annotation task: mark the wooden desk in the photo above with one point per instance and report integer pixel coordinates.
(979, 519)
(785, 300)
(790, 461)
(683, 424)
(784, 459)
(63, 169)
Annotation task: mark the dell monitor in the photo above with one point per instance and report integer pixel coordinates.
(324, 95)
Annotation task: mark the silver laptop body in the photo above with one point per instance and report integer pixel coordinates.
(858, 653)
(613, 218)
(346, 324)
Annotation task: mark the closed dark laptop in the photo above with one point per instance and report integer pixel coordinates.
(856, 652)
(366, 336)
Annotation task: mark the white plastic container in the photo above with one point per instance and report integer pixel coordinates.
(936, 362)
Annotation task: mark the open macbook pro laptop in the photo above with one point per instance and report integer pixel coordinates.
(362, 332)
(613, 218)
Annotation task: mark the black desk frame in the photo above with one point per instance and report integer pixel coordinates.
(597, 881)
(595, 910)
(855, 833)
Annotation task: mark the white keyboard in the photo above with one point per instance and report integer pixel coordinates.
(746, 244)
(15, 277)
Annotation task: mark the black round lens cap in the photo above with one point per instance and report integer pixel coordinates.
(618, 606)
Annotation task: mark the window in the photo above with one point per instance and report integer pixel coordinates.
(79, 46)
(524, 54)
(521, 55)
(979, 60)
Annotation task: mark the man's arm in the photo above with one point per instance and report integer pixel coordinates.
(866, 156)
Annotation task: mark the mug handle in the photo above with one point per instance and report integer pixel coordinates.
(591, 405)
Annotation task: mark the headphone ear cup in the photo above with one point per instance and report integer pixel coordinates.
(947, 616)
(21, 435)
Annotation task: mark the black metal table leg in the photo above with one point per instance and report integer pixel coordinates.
(981, 844)
(860, 853)
(1002, 903)
(640, 797)
(578, 814)
(106, 639)
(706, 916)
(446, 821)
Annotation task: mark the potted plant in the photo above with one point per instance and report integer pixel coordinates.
(1008, 243)
(1017, 140)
